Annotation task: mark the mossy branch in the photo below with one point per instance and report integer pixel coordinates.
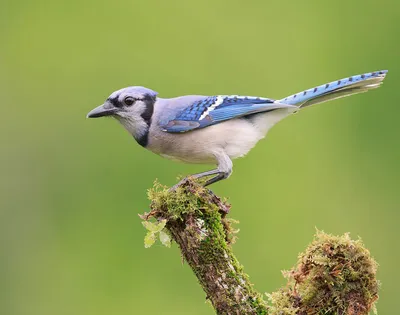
(335, 275)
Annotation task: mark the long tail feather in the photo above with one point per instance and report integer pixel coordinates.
(336, 89)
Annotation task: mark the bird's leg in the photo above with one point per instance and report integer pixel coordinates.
(205, 174)
(223, 171)
(220, 175)
(197, 176)
(217, 178)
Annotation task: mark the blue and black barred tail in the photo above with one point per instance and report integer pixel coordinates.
(336, 89)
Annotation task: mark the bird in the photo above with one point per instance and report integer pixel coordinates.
(215, 129)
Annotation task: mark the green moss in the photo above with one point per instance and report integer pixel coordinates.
(213, 246)
(335, 275)
(177, 203)
(211, 235)
(282, 303)
(258, 304)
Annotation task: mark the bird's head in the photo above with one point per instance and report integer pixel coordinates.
(132, 107)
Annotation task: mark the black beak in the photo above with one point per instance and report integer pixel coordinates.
(101, 111)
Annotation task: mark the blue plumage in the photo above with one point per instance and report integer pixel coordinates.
(194, 111)
(215, 109)
(335, 86)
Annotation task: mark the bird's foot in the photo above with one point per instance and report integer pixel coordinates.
(181, 183)
(191, 185)
(192, 178)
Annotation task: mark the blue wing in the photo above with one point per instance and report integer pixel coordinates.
(215, 109)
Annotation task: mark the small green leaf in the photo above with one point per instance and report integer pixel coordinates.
(149, 239)
(154, 227)
(165, 239)
(161, 225)
(150, 226)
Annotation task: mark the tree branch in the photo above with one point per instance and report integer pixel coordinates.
(335, 275)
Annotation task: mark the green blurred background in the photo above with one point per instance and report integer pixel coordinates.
(71, 241)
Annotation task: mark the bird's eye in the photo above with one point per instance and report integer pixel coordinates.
(129, 100)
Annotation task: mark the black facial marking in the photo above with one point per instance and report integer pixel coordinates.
(146, 115)
(305, 92)
(144, 139)
(115, 102)
(315, 90)
(327, 85)
(149, 102)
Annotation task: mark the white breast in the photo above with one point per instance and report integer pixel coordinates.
(235, 137)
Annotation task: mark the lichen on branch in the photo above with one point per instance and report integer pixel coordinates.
(335, 275)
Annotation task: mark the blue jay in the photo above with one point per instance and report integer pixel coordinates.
(214, 129)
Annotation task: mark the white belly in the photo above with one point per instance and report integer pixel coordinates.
(234, 137)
